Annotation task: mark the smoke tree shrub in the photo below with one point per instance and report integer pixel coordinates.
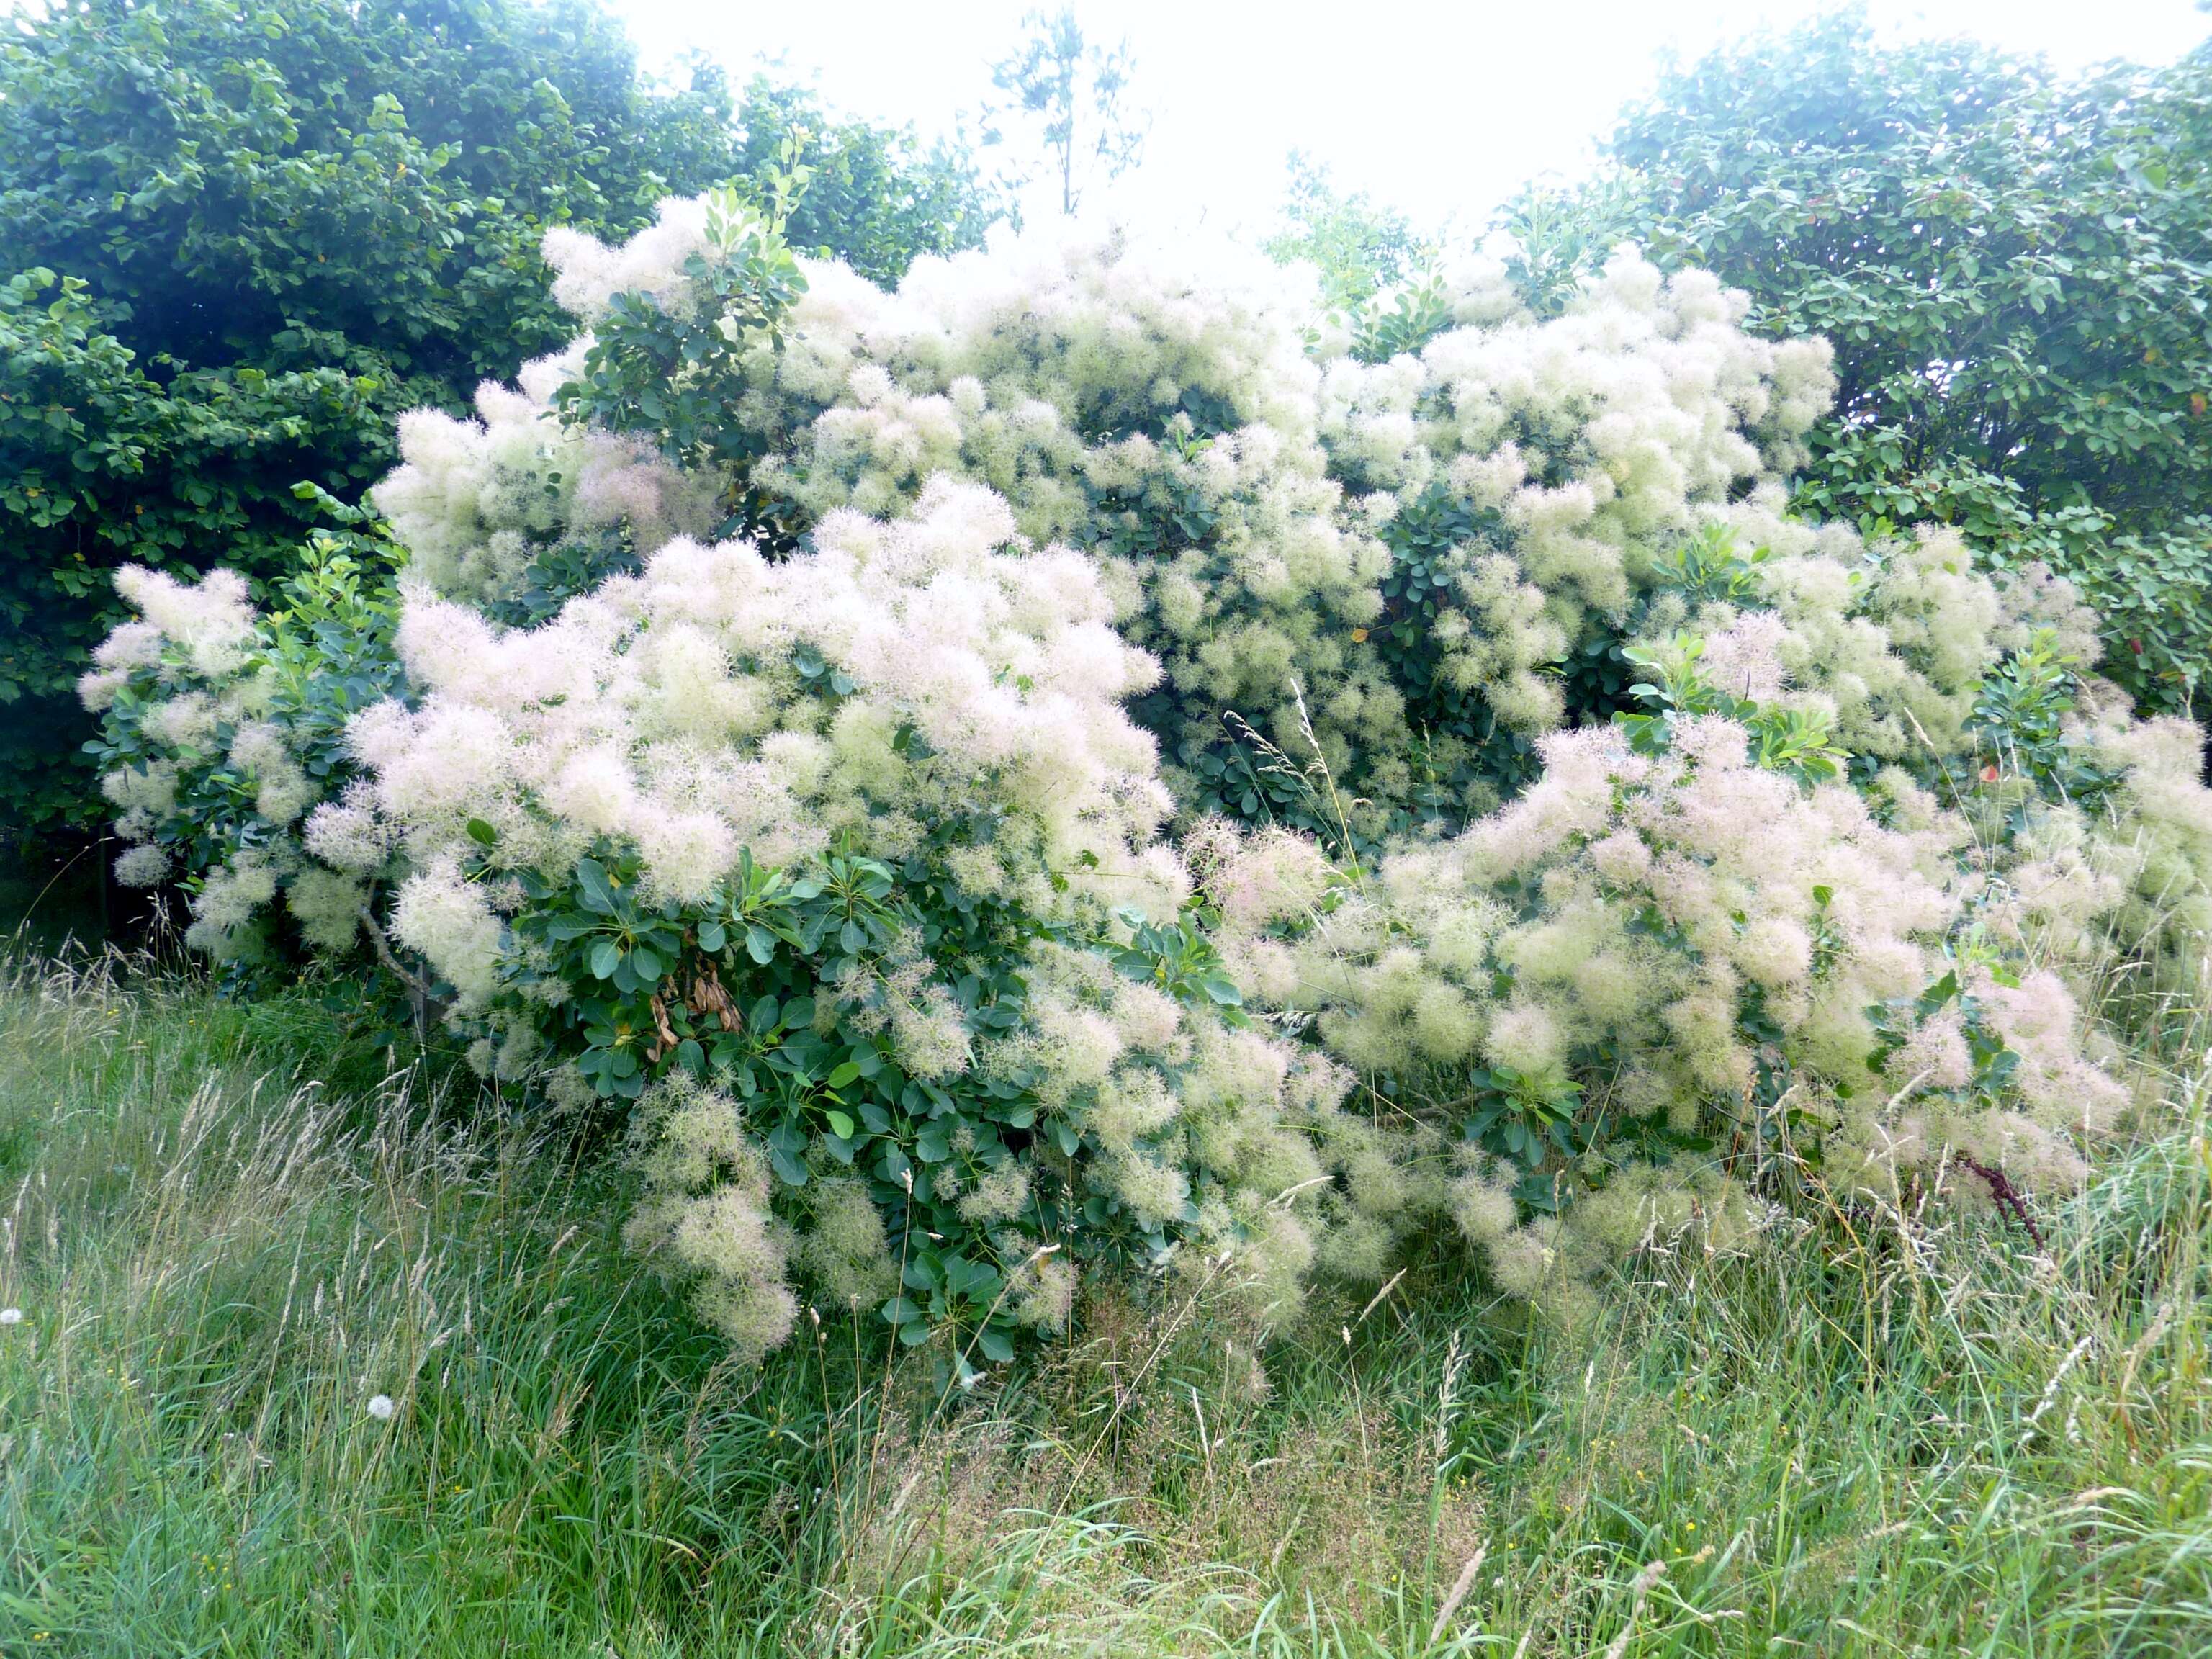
(940, 1015)
(1068, 766)
(1116, 399)
(1416, 544)
(222, 727)
(1649, 954)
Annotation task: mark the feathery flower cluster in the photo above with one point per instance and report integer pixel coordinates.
(1155, 412)
(900, 678)
(481, 504)
(706, 1216)
(1152, 406)
(1532, 475)
(212, 727)
(2119, 885)
(1664, 942)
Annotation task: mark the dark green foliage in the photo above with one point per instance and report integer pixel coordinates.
(746, 991)
(872, 197)
(1523, 1118)
(2012, 267)
(249, 237)
(102, 464)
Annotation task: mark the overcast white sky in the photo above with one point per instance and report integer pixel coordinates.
(1442, 107)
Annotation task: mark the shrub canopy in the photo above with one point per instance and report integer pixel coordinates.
(1070, 765)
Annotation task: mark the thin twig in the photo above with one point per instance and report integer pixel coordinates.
(418, 993)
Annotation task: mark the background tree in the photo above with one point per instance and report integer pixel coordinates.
(2013, 266)
(246, 238)
(1072, 90)
(1360, 247)
(873, 197)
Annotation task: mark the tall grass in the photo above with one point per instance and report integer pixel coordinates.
(227, 1233)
